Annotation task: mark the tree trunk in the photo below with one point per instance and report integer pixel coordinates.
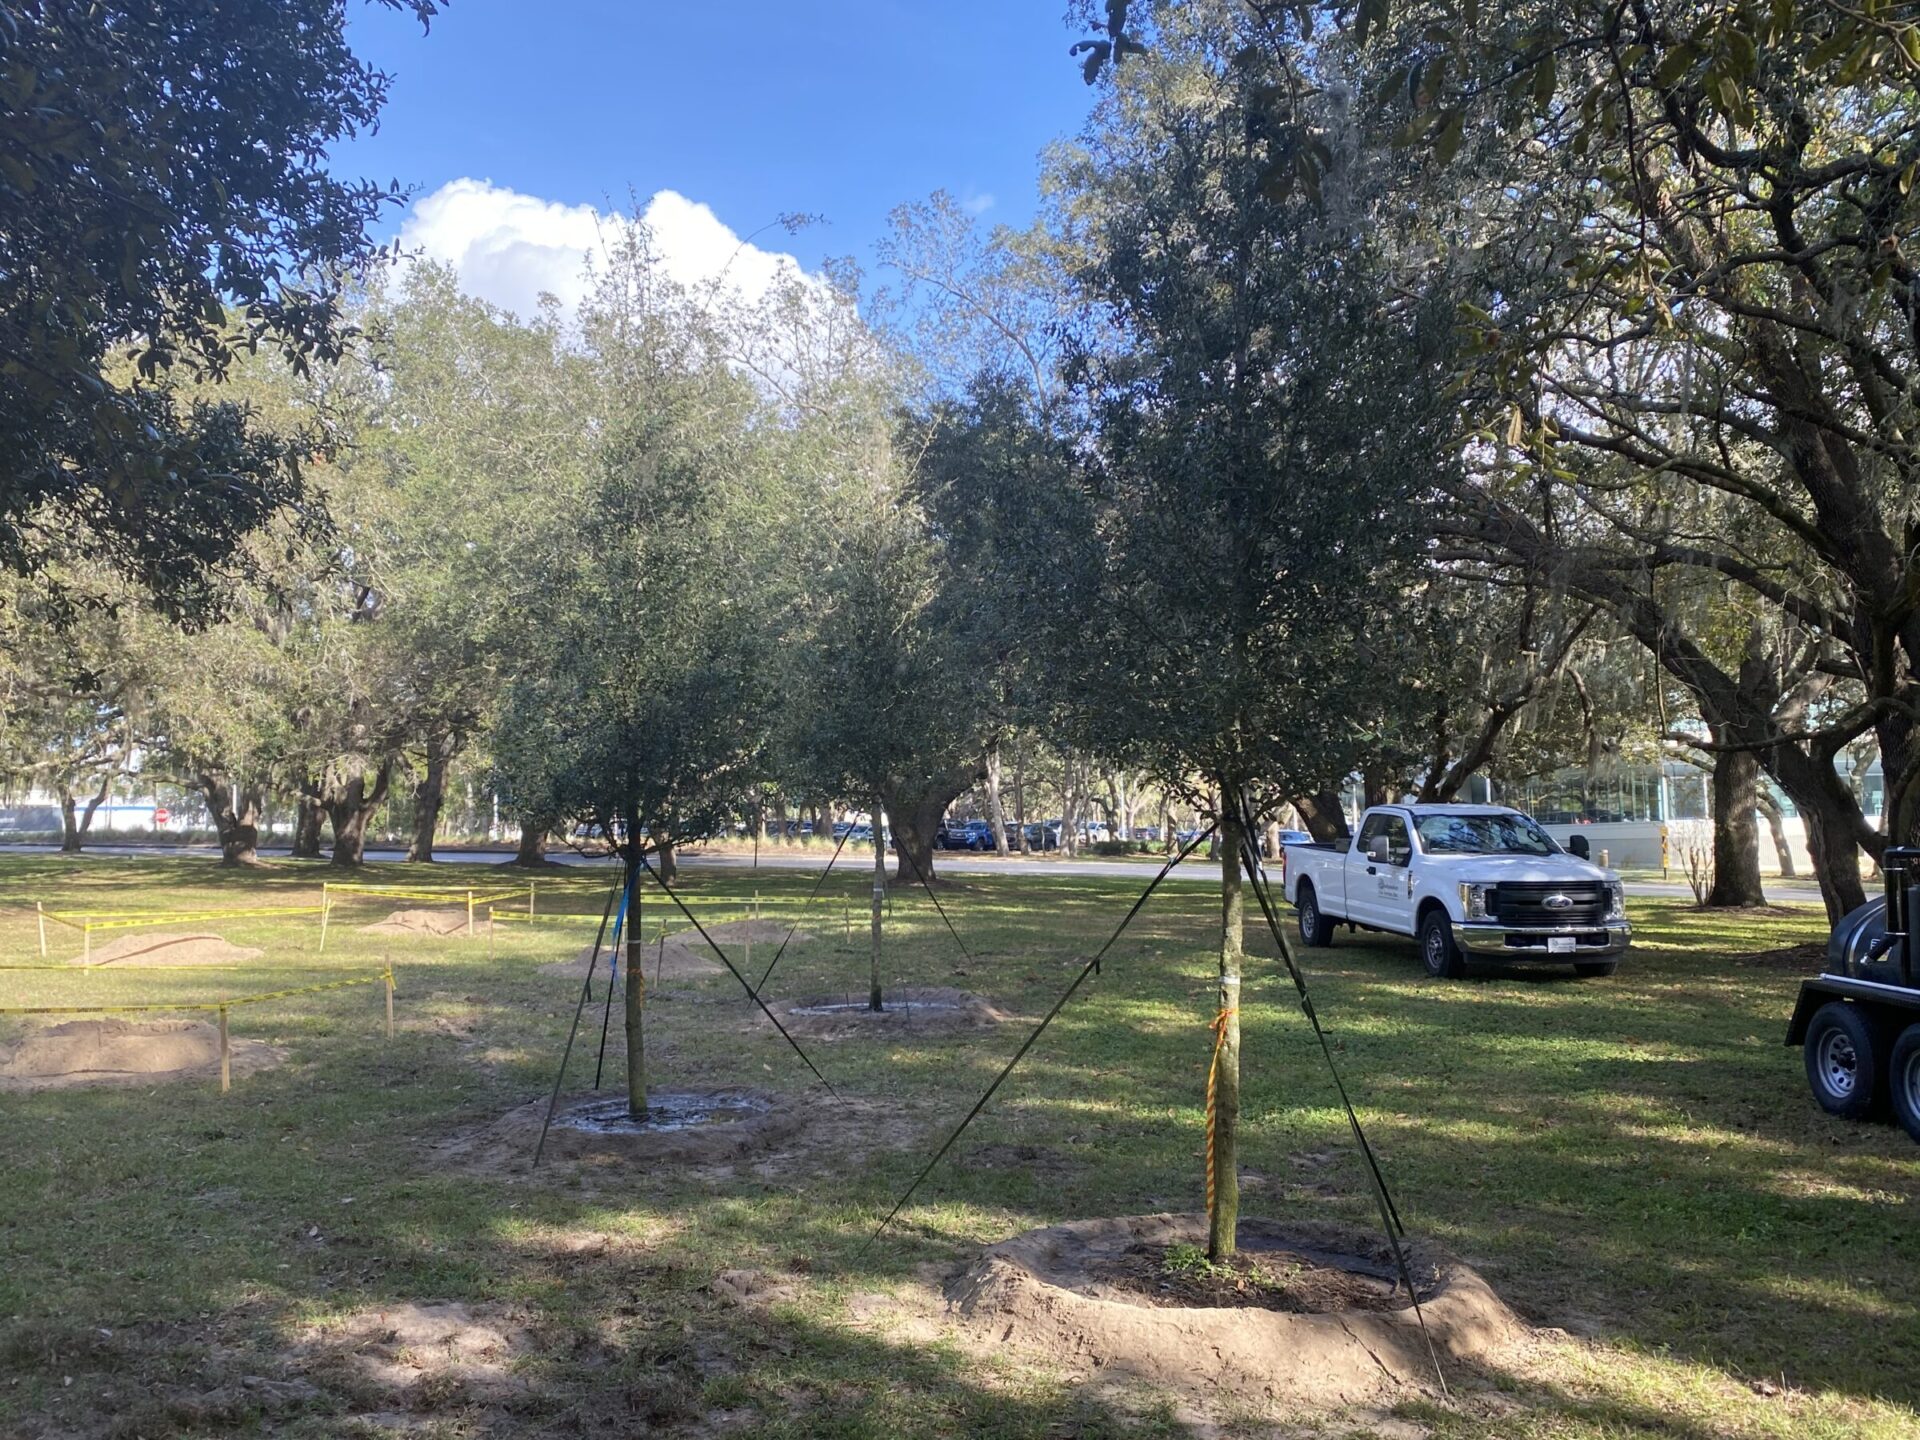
(664, 858)
(427, 800)
(1020, 798)
(915, 816)
(1325, 817)
(1223, 1208)
(1835, 856)
(236, 811)
(875, 1000)
(996, 816)
(1736, 835)
(1776, 826)
(532, 849)
(306, 828)
(69, 821)
(350, 804)
(635, 1014)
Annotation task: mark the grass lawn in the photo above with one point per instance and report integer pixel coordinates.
(1634, 1162)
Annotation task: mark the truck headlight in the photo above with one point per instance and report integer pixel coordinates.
(1616, 900)
(1476, 901)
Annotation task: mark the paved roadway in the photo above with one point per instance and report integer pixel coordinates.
(950, 863)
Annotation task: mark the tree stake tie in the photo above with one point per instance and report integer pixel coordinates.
(1090, 968)
(1219, 1028)
(1389, 1213)
(752, 994)
(812, 895)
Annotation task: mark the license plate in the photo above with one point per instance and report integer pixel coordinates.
(1560, 944)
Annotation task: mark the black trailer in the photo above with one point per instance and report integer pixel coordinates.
(1859, 1021)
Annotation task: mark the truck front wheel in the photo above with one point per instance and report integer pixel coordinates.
(1316, 929)
(1438, 952)
(1843, 1053)
(1903, 1077)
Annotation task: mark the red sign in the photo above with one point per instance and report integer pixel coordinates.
(160, 815)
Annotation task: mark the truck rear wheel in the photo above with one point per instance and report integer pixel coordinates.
(1843, 1052)
(1903, 1078)
(1316, 929)
(1438, 952)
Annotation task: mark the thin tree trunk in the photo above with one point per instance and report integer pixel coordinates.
(69, 822)
(1776, 827)
(1223, 1213)
(350, 804)
(635, 1011)
(432, 794)
(875, 1000)
(1736, 836)
(996, 816)
(664, 857)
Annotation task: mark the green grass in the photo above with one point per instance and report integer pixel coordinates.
(1634, 1161)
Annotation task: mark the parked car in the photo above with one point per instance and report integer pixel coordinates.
(1465, 880)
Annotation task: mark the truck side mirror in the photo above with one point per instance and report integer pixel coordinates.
(1577, 845)
(1378, 850)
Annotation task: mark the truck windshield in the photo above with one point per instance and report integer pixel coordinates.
(1483, 835)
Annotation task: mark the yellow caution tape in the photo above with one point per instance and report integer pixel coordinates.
(131, 1009)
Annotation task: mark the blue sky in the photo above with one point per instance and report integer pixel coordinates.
(747, 107)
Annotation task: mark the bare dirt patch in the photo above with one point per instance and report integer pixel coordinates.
(442, 924)
(171, 949)
(743, 1132)
(124, 1052)
(419, 1355)
(1077, 1292)
(909, 1009)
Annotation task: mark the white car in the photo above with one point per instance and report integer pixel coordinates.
(1464, 880)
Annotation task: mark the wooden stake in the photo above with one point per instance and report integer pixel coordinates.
(326, 909)
(40, 911)
(226, 1057)
(469, 914)
(389, 1000)
(86, 943)
(530, 885)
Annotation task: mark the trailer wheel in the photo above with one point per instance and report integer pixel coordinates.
(1903, 1077)
(1316, 928)
(1438, 951)
(1843, 1053)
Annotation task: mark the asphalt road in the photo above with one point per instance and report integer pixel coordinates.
(950, 863)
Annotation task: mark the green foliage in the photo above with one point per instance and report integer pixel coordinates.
(163, 193)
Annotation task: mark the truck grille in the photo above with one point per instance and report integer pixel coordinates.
(1526, 903)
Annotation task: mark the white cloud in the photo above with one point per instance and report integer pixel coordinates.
(509, 248)
(978, 202)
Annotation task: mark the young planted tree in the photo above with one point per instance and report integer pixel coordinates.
(1267, 414)
(646, 715)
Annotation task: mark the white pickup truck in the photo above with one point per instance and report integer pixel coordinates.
(1465, 880)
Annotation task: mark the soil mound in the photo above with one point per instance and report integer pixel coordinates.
(685, 956)
(124, 1052)
(1318, 1322)
(164, 949)
(446, 924)
(909, 1009)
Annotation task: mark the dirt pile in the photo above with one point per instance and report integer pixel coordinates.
(124, 1052)
(444, 924)
(171, 949)
(1329, 1333)
(910, 1009)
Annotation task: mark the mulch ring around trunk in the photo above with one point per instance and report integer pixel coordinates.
(719, 1132)
(124, 1052)
(169, 949)
(1308, 1314)
(443, 924)
(749, 944)
(908, 1009)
